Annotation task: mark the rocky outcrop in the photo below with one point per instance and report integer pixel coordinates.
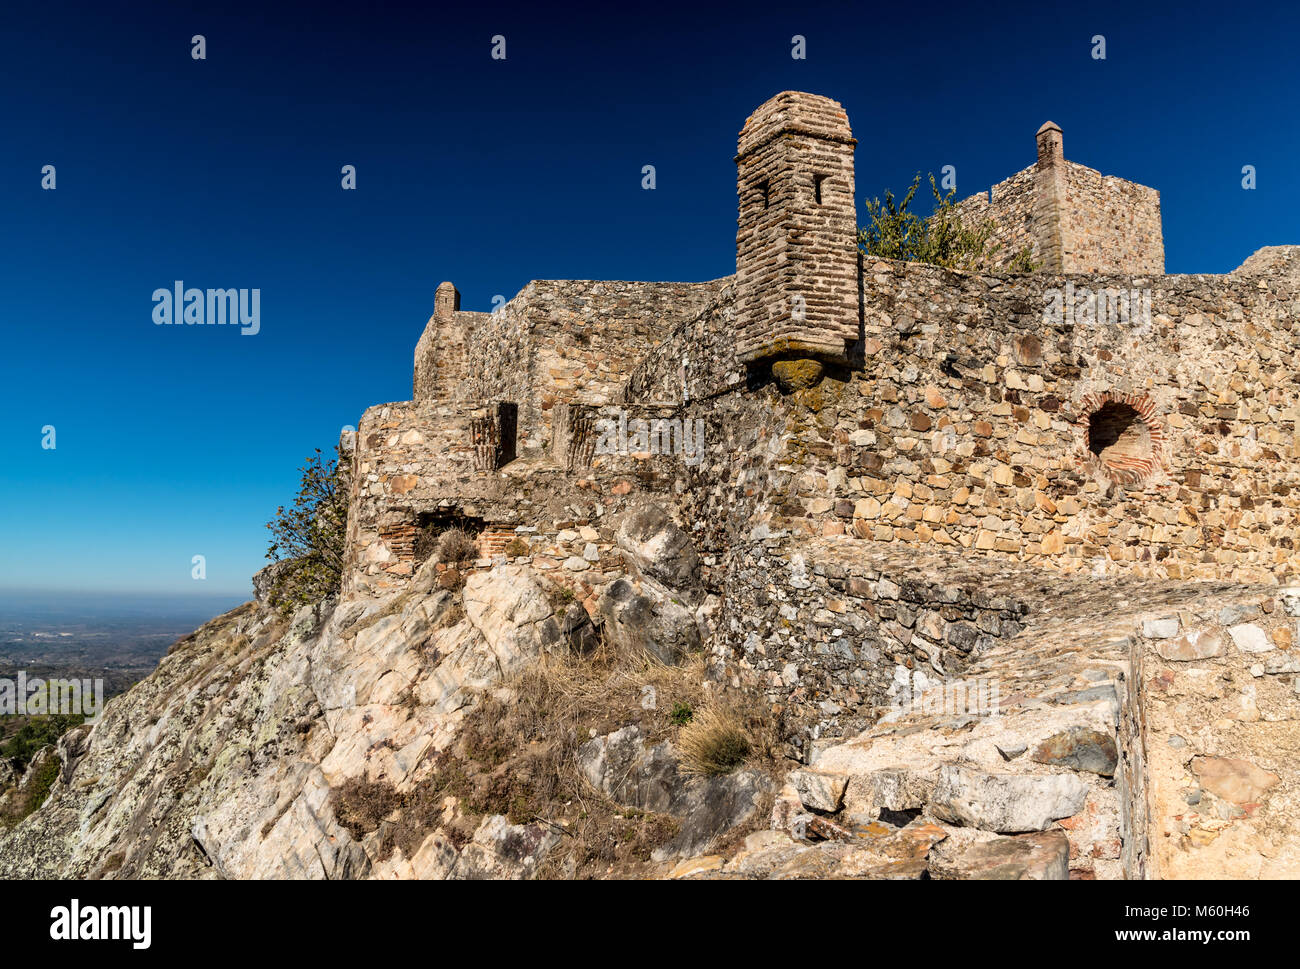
(650, 779)
(646, 620)
(656, 547)
(225, 761)
(258, 743)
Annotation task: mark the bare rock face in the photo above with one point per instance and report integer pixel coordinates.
(1006, 802)
(648, 779)
(648, 620)
(1023, 857)
(512, 614)
(227, 760)
(656, 547)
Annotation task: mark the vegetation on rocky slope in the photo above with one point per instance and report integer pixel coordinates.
(308, 539)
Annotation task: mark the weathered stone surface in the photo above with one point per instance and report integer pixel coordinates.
(1022, 857)
(876, 852)
(795, 375)
(265, 578)
(657, 547)
(820, 792)
(1250, 638)
(621, 766)
(1233, 779)
(512, 613)
(1081, 749)
(1006, 803)
(1192, 645)
(1160, 628)
(648, 621)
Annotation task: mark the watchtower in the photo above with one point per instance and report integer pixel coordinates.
(796, 236)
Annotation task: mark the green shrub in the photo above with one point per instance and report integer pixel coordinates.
(944, 239)
(38, 787)
(681, 714)
(310, 538)
(32, 736)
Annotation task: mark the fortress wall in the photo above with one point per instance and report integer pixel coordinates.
(1073, 218)
(697, 359)
(1219, 719)
(1109, 224)
(422, 464)
(442, 364)
(971, 426)
(572, 341)
(403, 452)
(1012, 210)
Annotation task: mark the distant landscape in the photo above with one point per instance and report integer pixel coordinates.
(119, 638)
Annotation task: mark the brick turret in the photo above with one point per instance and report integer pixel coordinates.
(796, 238)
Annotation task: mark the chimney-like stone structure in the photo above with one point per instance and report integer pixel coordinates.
(446, 301)
(1049, 196)
(440, 355)
(796, 236)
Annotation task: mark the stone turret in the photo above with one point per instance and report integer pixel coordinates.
(440, 353)
(796, 238)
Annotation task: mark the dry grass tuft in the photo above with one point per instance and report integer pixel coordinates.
(516, 754)
(456, 546)
(715, 741)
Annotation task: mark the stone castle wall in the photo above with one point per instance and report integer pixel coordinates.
(1010, 205)
(1070, 217)
(988, 473)
(571, 341)
(970, 425)
(697, 359)
(1109, 224)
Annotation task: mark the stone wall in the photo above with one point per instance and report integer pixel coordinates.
(1221, 704)
(1072, 728)
(1011, 206)
(562, 341)
(1072, 218)
(973, 424)
(1109, 224)
(696, 360)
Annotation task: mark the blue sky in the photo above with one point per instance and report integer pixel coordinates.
(177, 441)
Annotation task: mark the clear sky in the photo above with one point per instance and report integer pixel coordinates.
(225, 172)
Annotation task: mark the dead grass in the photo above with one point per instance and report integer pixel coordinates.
(360, 805)
(714, 741)
(455, 546)
(516, 754)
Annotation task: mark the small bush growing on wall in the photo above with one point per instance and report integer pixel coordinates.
(455, 546)
(944, 239)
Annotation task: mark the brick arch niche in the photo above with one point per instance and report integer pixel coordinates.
(1122, 438)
